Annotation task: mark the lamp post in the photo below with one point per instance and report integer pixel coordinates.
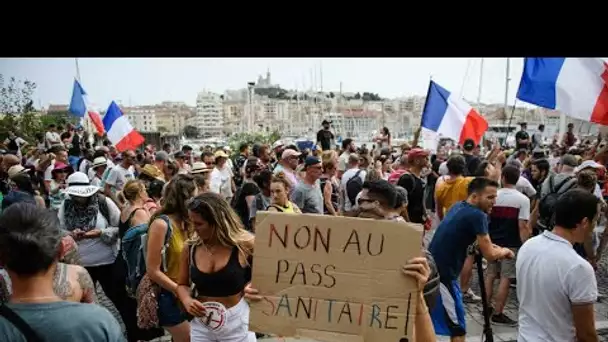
(250, 86)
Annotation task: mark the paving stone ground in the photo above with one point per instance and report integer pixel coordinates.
(474, 315)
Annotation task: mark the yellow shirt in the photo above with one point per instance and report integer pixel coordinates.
(286, 209)
(452, 190)
(177, 241)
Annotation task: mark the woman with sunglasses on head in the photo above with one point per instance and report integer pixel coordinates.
(218, 263)
(170, 226)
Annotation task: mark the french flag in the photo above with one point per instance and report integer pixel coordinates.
(445, 115)
(574, 86)
(79, 106)
(120, 132)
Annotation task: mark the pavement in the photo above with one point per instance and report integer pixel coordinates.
(474, 315)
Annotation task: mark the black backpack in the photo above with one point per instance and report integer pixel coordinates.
(12, 145)
(354, 187)
(546, 206)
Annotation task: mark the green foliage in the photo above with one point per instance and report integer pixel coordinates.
(18, 112)
(235, 140)
(191, 132)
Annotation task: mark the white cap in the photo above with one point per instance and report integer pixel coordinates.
(588, 164)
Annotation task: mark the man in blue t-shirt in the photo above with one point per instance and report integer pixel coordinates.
(465, 223)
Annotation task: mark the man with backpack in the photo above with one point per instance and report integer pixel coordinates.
(553, 187)
(14, 144)
(351, 183)
(412, 181)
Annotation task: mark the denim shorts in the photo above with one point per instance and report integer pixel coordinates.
(169, 312)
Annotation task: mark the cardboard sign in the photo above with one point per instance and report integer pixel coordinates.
(334, 278)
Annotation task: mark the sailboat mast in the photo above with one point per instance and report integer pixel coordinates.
(480, 82)
(507, 79)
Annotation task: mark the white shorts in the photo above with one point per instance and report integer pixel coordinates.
(235, 328)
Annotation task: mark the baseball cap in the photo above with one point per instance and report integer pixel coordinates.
(569, 159)
(179, 155)
(468, 145)
(288, 153)
(277, 144)
(310, 161)
(588, 164)
(161, 156)
(416, 152)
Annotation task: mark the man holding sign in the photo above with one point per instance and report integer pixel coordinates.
(465, 223)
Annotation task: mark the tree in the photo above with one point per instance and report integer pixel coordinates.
(357, 96)
(331, 94)
(17, 108)
(191, 132)
(237, 139)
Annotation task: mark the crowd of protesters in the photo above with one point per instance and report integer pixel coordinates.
(73, 215)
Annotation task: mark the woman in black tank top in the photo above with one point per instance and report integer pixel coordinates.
(218, 265)
(135, 195)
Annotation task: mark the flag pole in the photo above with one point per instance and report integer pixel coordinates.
(84, 122)
(419, 130)
(77, 71)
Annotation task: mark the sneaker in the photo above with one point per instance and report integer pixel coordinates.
(470, 297)
(502, 319)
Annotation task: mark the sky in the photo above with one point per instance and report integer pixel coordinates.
(140, 81)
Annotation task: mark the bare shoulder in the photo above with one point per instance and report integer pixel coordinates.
(249, 241)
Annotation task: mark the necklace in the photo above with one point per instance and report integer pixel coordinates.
(32, 299)
(208, 249)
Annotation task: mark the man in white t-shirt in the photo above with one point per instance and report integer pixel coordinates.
(556, 287)
(120, 175)
(352, 171)
(221, 178)
(349, 147)
(52, 137)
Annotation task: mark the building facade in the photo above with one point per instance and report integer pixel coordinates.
(209, 116)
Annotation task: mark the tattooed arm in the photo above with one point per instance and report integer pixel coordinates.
(88, 287)
(70, 251)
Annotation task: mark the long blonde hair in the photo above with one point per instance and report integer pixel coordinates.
(225, 223)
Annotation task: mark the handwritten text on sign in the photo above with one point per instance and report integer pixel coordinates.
(333, 274)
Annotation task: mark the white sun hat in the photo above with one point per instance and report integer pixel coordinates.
(99, 161)
(80, 186)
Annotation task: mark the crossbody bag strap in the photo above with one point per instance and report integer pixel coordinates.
(27, 331)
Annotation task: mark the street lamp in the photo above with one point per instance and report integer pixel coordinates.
(250, 86)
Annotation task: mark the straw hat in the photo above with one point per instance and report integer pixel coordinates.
(16, 170)
(199, 167)
(99, 161)
(80, 186)
(220, 154)
(153, 172)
